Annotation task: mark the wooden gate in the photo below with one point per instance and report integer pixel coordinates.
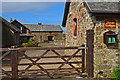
(75, 67)
(89, 52)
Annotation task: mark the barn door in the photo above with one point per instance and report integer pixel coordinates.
(89, 52)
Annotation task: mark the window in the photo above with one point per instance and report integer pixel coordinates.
(74, 24)
(110, 37)
(50, 38)
(21, 29)
(75, 29)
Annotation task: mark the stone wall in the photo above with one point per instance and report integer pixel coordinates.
(105, 59)
(84, 22)
(41, 36)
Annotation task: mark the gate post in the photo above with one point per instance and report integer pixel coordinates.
(89, 53)
(83, 59)
(14, 63)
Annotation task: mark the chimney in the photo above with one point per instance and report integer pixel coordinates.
(39, 23)
(11, 20)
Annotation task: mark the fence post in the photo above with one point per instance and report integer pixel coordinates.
(83, 59)
(14, 63)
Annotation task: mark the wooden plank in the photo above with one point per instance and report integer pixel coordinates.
(49, 63)
(45, 63)
(34, 63)
(38, 58)
(5, 72)
(66, 61)
(4, 49)
(5, 77)
(14, 65)
(6, 65)
(43, 57)
(14, 58)
(5, 54)
(49, 48)
(6, 59)
(27, 67)
(31, 70)
(42, 48)
(25, 70)
(43, 75)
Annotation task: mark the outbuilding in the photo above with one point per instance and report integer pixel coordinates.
(45, 32)
(10, 33)
(97, 26)
(25, 34)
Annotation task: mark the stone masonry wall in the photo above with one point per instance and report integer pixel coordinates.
(105, 59)
(41, 36)
(84, 21)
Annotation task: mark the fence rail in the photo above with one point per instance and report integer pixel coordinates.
(15, 73)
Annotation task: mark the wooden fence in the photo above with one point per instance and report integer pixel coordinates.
(15, 73)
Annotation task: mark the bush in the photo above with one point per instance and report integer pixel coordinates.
(31, 42)
(116, 74)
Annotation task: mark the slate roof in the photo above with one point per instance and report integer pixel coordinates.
(95, 7)
(112, 7)
(37, 27)
(9, 24)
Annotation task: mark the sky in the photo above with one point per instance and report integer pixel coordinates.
(48, 13)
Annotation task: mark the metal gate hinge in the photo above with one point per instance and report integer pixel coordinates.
(81, 47)
(13, 49)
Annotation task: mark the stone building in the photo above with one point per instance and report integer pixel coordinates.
(45, 32)
(97, 26)
(10, 33)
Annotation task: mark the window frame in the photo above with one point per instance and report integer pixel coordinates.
(110, 34)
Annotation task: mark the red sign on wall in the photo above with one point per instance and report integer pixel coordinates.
(110, 24)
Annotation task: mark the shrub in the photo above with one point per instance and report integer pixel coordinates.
(31, 42)
(116, 74)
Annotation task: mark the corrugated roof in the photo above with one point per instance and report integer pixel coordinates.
(9, 24)
(37, 27)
